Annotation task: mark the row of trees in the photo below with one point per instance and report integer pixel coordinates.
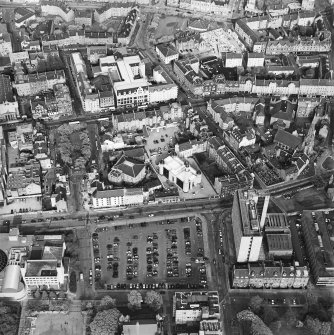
(9, 317)
(152, 299)
(265, 320)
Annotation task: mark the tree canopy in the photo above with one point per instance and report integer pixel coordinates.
(258, 327)
(153, 299)
(105, 322)
(135, 299)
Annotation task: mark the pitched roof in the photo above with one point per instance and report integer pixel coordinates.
(287, 139)
(166, 50)
(129, 166)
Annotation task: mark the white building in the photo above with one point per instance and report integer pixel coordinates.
(255, 59)
(190, 148)
(58, 9)
(234, 60)
(128, 75)
(5, 41)
(44, 265)
(166, 53)
(118, 198)
(248, 223)
(180, 172)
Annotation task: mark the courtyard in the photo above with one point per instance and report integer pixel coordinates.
(169, 25)
(71, 323)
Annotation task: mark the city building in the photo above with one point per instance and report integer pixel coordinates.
(114, 9)
(32, 84)
(22, 16)
(318, 239)
(166, 53)
(246, 34)
(234, 60)
(118, 198)
(200, 308)
(270, 275)
(44, 264)
(128, 27)
(147, 327)
(57, 9)
(188, 149)
(255, 59)
(83, 17)
(180, 172)
(248, 216)
(164, 88)
(9, 109)
(127, 170)
(95, 52)
(5, 41)
(238, 139)
(129, 80)
(287, 141)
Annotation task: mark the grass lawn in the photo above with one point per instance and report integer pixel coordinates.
(169, 25)
(54, 324)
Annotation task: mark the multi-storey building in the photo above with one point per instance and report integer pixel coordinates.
(234, 60)
(246, 34)
(57, 9)
(128, 27)
(270, 275)
(166, 53)
(188, 149)
(95, 52)
(237, 139)
(165, 88)
(32, 84)
(118, 198)
(9, 109)
(44, 265)
(197, 307)
(83, 17)
(111, 10)
(248, 215)
(78, 37)
(5, 41)
(255, 59)
(318, 240)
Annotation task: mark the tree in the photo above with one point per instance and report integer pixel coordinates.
(290, 318)
(45, 295)
(269, 315)
(255, 303)
(135, 299)
(317, 327)
(37, 294)
(257, 325)
(52, 295)
(62, 295)
(105, 322)
(153, 299)
(107, 302)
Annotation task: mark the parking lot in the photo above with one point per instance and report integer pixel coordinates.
(159, 140)
(169, 251)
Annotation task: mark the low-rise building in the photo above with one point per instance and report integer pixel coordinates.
(118, 198)
(166, 53)
(127, 170)
(287, 141)
(180, 172)
(197, 307)
(188, 149)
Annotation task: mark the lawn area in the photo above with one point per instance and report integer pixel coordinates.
(169, 25)
(60, 324)
(328, 164)
(210, 168)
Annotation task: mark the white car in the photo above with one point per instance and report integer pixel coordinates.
(150, 215)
